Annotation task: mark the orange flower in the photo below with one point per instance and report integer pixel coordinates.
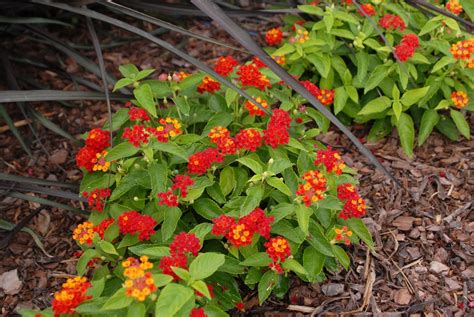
(140, 283)
(218, 133)
(454, 6)
(253, 109)
(279, 59)
(314, 187)
(278, 249)
(301, 36)
(84, 233)
(274, 37)
(208, 84)
(169, 128)
(72, 294)
(459, 99)
(343, 234)
(100, 163)
(463, 49)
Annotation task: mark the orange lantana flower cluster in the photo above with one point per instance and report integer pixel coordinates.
(71, 295)
(459, 99)
(313, 188)
(279, 250)
(139, 283)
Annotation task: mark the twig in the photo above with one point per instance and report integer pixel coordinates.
(17, 124)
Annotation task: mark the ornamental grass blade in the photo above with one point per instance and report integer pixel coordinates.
(41, 190)
(31, 20)
(6, 117)
(243, 37)
(36, 181)
(41, 201)
(51, 125)
(164, 44)
(164, 24)
(54, 95)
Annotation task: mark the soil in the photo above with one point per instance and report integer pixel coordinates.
(423, 262)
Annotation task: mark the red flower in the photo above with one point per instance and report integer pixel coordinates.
(240, 306)
(368, 9)
(218, 133)
(136, 135)
(225, 65)
(200, 162)
(312, 88)
(454, 6)
(72, 294)
(407, 47)
(185, 242)
(331, 160)
(227, 146)
(240, 235)
(96, 198)
(208, 84)
(168, 128)
(211, 291)
(198, 312)
(174, 260)
(346, 191)
(222, 225)
(314, 187)
(168, 199)
(273, 37)
(463, 49)
(101, 227)
(278, 249)
(277, 129)
(392, 22)
(86, 158)
(248, 139)
(326, 97)
(254, 110)
(257, 221)
(460, 99)
(411, 40)
(182, 182)
(258, 62)
(355, 206)
(298, 22)
(98, 139)
(132, 222)
(250, 76)
(138, 114)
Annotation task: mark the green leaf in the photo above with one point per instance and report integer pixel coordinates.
(285, 49)
(202, 288)
(313, 261)
(344, 16)
(380, 73)
(107, 247)
(295, 266)
(321, 62)
(406, 132)
(447, 127)
(182, 105)
(122, 83)
(136, 310)
(171, 148)
(170, 222)
(207, 208)
(397, 109)
(430, 26)
(376, 105)
(303, 213)
(144, 96)
(171, 299)
(88, 255)
(128, 70)
(206, 264)
(341, 256)
(162, 279)
(214, 311)
(461, 123)
(257, 259)
(280, 185)
(352, 92)
(412, 96)
(144, 73)
(222, 119)
(311, 9)
(121, 150)
(360, 229)
(444, 61)
(231, 96)
(340, 99)
(227, 180)
(362, 65)
(253, 199)
(158, 178)
(118, 301)
(201, 230)
(468, 7)
(319, 241)
(266, 285)
(428, 122)
(152, 251)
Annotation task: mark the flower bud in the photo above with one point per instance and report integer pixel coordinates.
(270, 161)
(136, 198)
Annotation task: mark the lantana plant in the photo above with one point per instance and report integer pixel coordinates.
(201, 194)
(383, 64)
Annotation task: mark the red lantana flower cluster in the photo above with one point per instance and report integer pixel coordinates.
(279, 250)
(138, 114)
(198, 312)
(273, 37)
(88, 156)
(325, 96)
(407, 47)
(368, 9)
(96, 198)
(392, 22)
(240, 233)
(200, 162)
(331, 160)
(313, 188)
(355, 206)
(454, 6)
(182, 244)
(101, 227)
(71, 295)
(132, 222)
(250, 76)
(225, 65)
(208, 84)
(343, 234)
(248, 139)
(277, 129)
(137, 135)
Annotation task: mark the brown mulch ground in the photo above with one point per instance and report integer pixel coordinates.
(423, 262)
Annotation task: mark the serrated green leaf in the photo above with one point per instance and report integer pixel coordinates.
(205, 264)
(172, 298)
(144, 96)
(376, 105)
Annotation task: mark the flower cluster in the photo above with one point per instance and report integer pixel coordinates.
(253, 109)
(250, 76)
(139, 283)
(277, 129)
(279, 250)
(91, 156)
(463, 49)
(313, 188)
(343, 234)
(454, 6)
(208, 84)
(200, 162)
(407, 47)
(392, 22)
(240, 233)
(84, 233)
(280, 59)
(354, 206)
(132, 222)
(459, 99)
(182, 183)
(273, 37)
(182, 244)
(248, 139)
(138, 114)
(325, 96)
(258, 62)
(101, 227)
(198, 312)
(167, 198)
(225, 65)
(180, 76)
(168, 128)
(367, 9)
(331, 160)
(71, 295)
(301, 36)
(96, 198)
(137, 135)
